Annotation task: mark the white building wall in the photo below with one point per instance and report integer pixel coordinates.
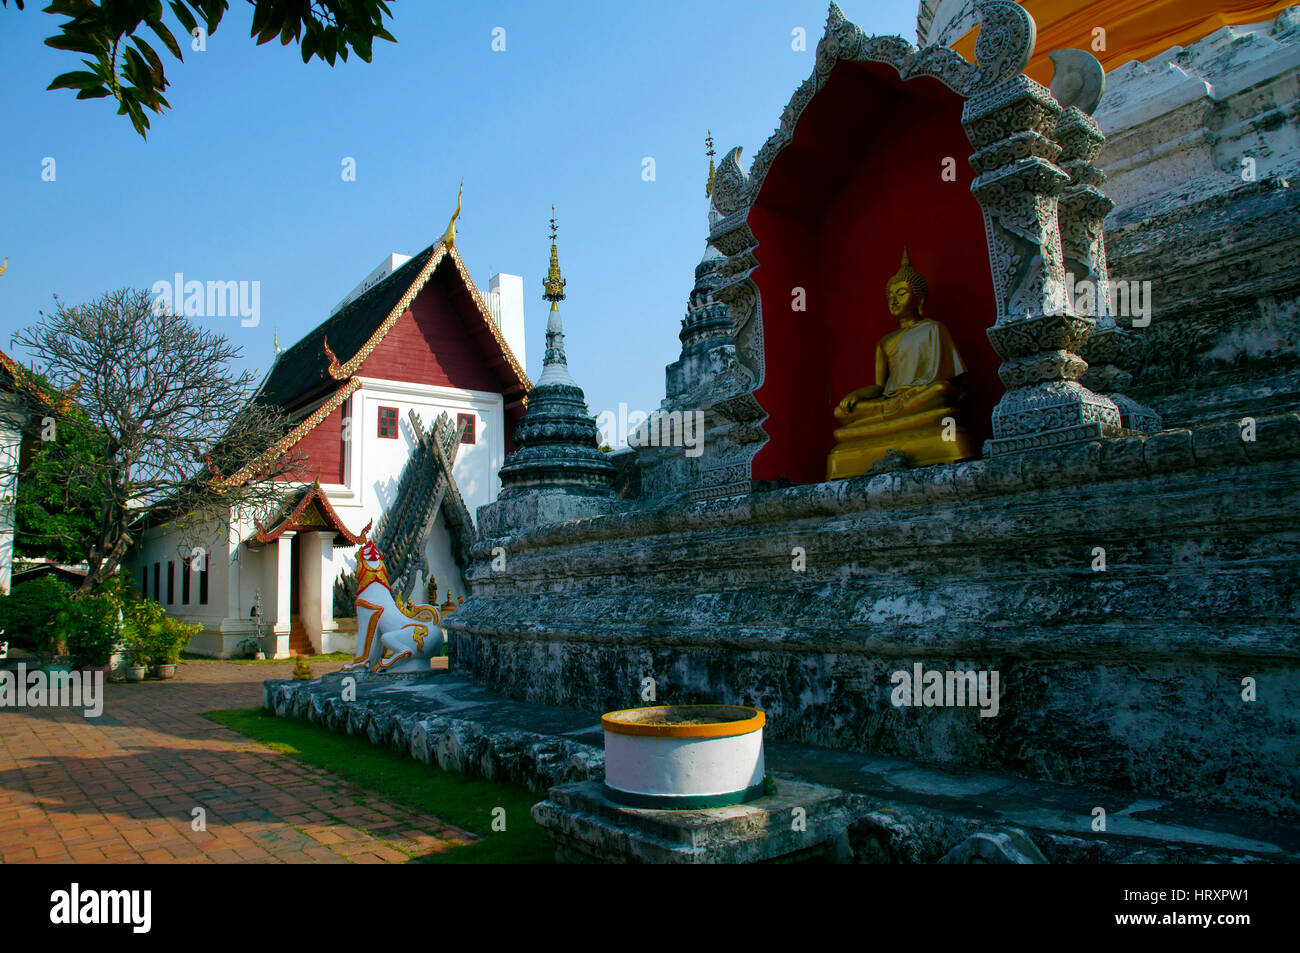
(446, 573)
(11, 442)
(373, 468)
(374, 464)
(163, 545)
(390, 264)
(506, 294)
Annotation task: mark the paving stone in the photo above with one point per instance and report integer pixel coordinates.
(119, 789)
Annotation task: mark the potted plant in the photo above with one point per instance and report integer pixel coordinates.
(143, 619)
(137, 650)
(173, 635)
(91, 630)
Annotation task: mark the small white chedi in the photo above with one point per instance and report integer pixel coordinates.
(411, 633)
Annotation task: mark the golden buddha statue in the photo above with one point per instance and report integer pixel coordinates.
(912, 406)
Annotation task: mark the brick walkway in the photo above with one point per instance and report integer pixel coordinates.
(121, 788)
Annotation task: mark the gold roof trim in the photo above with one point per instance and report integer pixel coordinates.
(352, 365)
(479, 303)
(345, 370)
(304, 427)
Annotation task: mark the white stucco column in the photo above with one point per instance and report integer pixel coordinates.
(283, 596)
(235, 554)
(317, 571)
(237, 625)
(11, 441)
(234, 560)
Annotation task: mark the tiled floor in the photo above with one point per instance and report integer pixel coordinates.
(122, 788)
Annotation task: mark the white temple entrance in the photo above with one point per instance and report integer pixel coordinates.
(300, 565)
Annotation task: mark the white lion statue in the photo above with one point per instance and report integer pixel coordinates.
(410, 633)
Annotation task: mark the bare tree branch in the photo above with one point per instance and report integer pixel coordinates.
(172, 422)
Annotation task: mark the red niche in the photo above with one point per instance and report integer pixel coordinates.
(864, 176)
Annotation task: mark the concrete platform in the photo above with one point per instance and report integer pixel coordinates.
(801, 822)
(903, 811)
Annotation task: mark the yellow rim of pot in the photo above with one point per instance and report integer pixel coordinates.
(717, 729)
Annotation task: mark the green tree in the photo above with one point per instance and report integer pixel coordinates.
(57, 508)
(125, 66)
(176, 439)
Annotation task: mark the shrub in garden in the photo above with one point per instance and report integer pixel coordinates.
(145, 616)
(171, 638)
(29, 613)
(89, 628)
(137, 644)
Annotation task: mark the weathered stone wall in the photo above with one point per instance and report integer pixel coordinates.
(1198, 121)
(1224, 335)
(1130, 676)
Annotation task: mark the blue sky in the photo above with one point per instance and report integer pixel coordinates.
(241, 179)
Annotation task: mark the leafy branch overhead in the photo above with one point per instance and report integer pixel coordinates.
(125, 66)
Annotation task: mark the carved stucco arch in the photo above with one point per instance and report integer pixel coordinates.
(1005, 115)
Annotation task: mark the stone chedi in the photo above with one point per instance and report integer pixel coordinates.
(556, 464)
(708, 373)
(410, 633)
(912, 406)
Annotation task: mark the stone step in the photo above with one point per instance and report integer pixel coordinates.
(904, 811)
(923, 804)
(299, 640)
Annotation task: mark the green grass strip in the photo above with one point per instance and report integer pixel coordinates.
(457, 799)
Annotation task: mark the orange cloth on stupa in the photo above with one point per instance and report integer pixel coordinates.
(1135, 29)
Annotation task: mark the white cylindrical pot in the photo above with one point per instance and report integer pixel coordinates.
(684, 757)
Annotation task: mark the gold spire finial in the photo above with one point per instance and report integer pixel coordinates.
(708, 141)
(275, 337)
(554, 283)
(449, 236)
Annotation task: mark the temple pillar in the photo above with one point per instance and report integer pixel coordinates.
(278, 637)
(1082, 212)
(237, 625)
(233, 566)
(1036, 331)
(11, 442)
(318, 570)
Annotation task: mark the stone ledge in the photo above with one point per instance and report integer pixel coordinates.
(1129, 642)
(444, 722)
(1123, 458)
(864, 807)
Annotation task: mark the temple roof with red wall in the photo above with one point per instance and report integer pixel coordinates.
(337, 349)
(426, 323)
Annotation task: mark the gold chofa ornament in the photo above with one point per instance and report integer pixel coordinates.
(449, 236)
